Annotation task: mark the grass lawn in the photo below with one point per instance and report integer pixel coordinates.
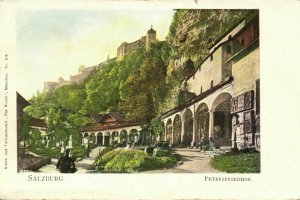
(238, 162)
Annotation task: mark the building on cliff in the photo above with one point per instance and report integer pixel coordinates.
(84, 72)
(52, 85)
(227, 103)
(143, 43)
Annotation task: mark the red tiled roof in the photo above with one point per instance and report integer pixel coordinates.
(117, 116)
(108, 126)
(34, 122)
(96, 117)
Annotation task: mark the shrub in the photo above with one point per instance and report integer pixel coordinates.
(45, 151)
(161, 153)
(79, 152)
(103, 160)
(92, 145)
(103, 152)
(125, 160)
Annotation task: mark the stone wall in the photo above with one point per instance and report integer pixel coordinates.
(209, 72)
(246, 120)
(49, 86)
(246, 72)
(126, 48)
(143, 43)
(86, 72)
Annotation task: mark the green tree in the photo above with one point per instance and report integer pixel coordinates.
(157, 126)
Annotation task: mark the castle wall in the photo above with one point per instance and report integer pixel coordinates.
(126, 48)
(49, 86)
(144, 43)
(80, 77)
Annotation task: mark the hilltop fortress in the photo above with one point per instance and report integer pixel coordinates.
(84, 72)
(143, 43)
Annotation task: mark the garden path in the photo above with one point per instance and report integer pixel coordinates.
(193, 162)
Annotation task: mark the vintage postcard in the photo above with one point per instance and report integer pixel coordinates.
(149, 100)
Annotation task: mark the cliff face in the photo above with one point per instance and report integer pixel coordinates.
(193, 31)
(191, 34)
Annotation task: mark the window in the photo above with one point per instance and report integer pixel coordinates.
(211, 57)
(201, 90)
(242, 42)
(211, 84)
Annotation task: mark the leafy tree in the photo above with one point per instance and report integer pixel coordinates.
(71, 97)
(157, 126)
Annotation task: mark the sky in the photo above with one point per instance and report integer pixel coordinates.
(54, 43)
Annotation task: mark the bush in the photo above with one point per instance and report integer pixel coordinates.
(237, 162)
(118, 161)
(163, 145)
(126, 161)
(92, 145)
(45, 151)
(79, 152)
(114, 144)
(103, 152)
(161, 153)
(105, 158)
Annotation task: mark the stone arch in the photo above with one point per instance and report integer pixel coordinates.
(221, 129)
(163, 134)
(85, 139)
(123, 136)
(177, 130)
(92, 138)
(99, 139)
(132, 134)
(202, 124)
(106, 138)
(169, 131)
(114, 135)
(188, 128)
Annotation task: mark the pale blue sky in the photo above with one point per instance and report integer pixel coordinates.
(54, 43)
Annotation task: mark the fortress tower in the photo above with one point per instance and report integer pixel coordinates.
(151, 37)
(143, 43)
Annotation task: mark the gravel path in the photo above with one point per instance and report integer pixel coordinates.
(193, 162)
